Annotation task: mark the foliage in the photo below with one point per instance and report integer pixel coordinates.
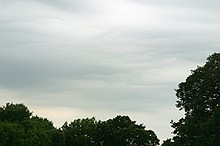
(19, 128)
(14, 112)
(39, 131)
(81, 132)
(11, 134)
(199, 97)
(122, 131)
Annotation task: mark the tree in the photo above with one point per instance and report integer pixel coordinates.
(119, 131)
(12, 132)
(122, 131)
(81, 132)
(199, 97)
(14, 112)
(19, 128)
(39, 131)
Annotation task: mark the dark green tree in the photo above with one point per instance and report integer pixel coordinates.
(12, 132)
(81, 132)
(19, 128)
(199, 97)
(39, 131)
(122, 131)
(14, 112)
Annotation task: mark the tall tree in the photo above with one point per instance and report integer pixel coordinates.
(199, 97)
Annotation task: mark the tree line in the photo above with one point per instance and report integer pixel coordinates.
(19, 128)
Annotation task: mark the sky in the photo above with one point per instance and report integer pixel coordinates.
(68, 59)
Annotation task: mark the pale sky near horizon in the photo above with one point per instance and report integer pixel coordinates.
(68, 59)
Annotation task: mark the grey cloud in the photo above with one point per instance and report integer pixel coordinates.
(21, 71)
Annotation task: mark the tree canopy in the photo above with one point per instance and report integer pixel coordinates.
(14, 112)
(18, 127)
(199, 97)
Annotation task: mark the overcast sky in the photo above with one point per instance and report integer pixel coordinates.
(68, 59)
